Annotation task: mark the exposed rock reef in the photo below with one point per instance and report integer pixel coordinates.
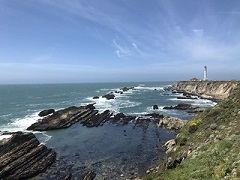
(90, 117)
(182, 107)
(86, 115)
(23, 157)
(111, 95)
(207, 146)
(215, 90)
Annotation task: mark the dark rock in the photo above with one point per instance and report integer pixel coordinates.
(143, 122)
(98, 119)
(197, 110)
(120, 92)
(167, 88)
(122, 118)
(109, 96)
(96, 97)
(23, 157)
(181, 107)
(62, 119)
(187, 97)
(155, 106)
(89, 106)
(127, 88)
(46, 112)
(119, 116)
(155, 115)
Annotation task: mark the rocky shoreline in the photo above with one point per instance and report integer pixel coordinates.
(213, 90)
(22, 156)
(41, 158)
(208, 144)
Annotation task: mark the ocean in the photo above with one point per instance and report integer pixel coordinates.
(111, 151)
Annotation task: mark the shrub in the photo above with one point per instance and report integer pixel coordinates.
(193, 125)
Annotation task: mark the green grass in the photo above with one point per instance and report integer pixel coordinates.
(214, 138)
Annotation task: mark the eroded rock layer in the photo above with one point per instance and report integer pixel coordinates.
(23, 157)
(208, 89)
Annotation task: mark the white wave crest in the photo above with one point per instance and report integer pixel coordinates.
(149, 88)
(20, 124)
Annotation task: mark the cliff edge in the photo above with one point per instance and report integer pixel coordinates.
(208, 145)
(208, 89)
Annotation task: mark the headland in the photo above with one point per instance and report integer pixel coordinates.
(208, 145)
(214, 90)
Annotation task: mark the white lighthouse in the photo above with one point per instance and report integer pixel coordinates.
(205, 74)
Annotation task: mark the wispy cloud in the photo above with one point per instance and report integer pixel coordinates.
(120, 50)
(136, 48)
(127, 50)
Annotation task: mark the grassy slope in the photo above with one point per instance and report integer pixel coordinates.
(214, 140)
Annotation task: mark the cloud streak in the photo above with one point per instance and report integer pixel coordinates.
(149, 34)
(170, 35)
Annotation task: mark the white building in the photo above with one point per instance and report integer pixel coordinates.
(205, 78)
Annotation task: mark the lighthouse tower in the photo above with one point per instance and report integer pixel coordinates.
(205, 74)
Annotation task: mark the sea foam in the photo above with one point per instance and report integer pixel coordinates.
(20, 124)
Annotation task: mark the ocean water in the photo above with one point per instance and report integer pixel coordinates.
(111, 151)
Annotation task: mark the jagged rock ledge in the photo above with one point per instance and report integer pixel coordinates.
(90, 117)
(23, 157)
(214, 90)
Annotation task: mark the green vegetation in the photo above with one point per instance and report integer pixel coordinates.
(212, 144)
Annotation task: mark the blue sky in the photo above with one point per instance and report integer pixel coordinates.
(50, 41)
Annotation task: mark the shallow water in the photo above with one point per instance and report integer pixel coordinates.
(111, 151)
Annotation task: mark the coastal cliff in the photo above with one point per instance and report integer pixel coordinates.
(208, 89)
(207, 146)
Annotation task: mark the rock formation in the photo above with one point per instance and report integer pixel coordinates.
(182, 107)
(207, 146)
(109, 96)
(46, 112)
(217, 90)
(87, 116)
(172, 123)
(23, 157)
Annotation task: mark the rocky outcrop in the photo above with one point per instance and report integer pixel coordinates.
(127, 88)
(217, 90)
(109, 96)
(172, 123)
(23, 157)
(90, 117)
(209, 143)
(182, 107)
(86, 115)
(170, 146)
(155, 106)
(46, 112)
